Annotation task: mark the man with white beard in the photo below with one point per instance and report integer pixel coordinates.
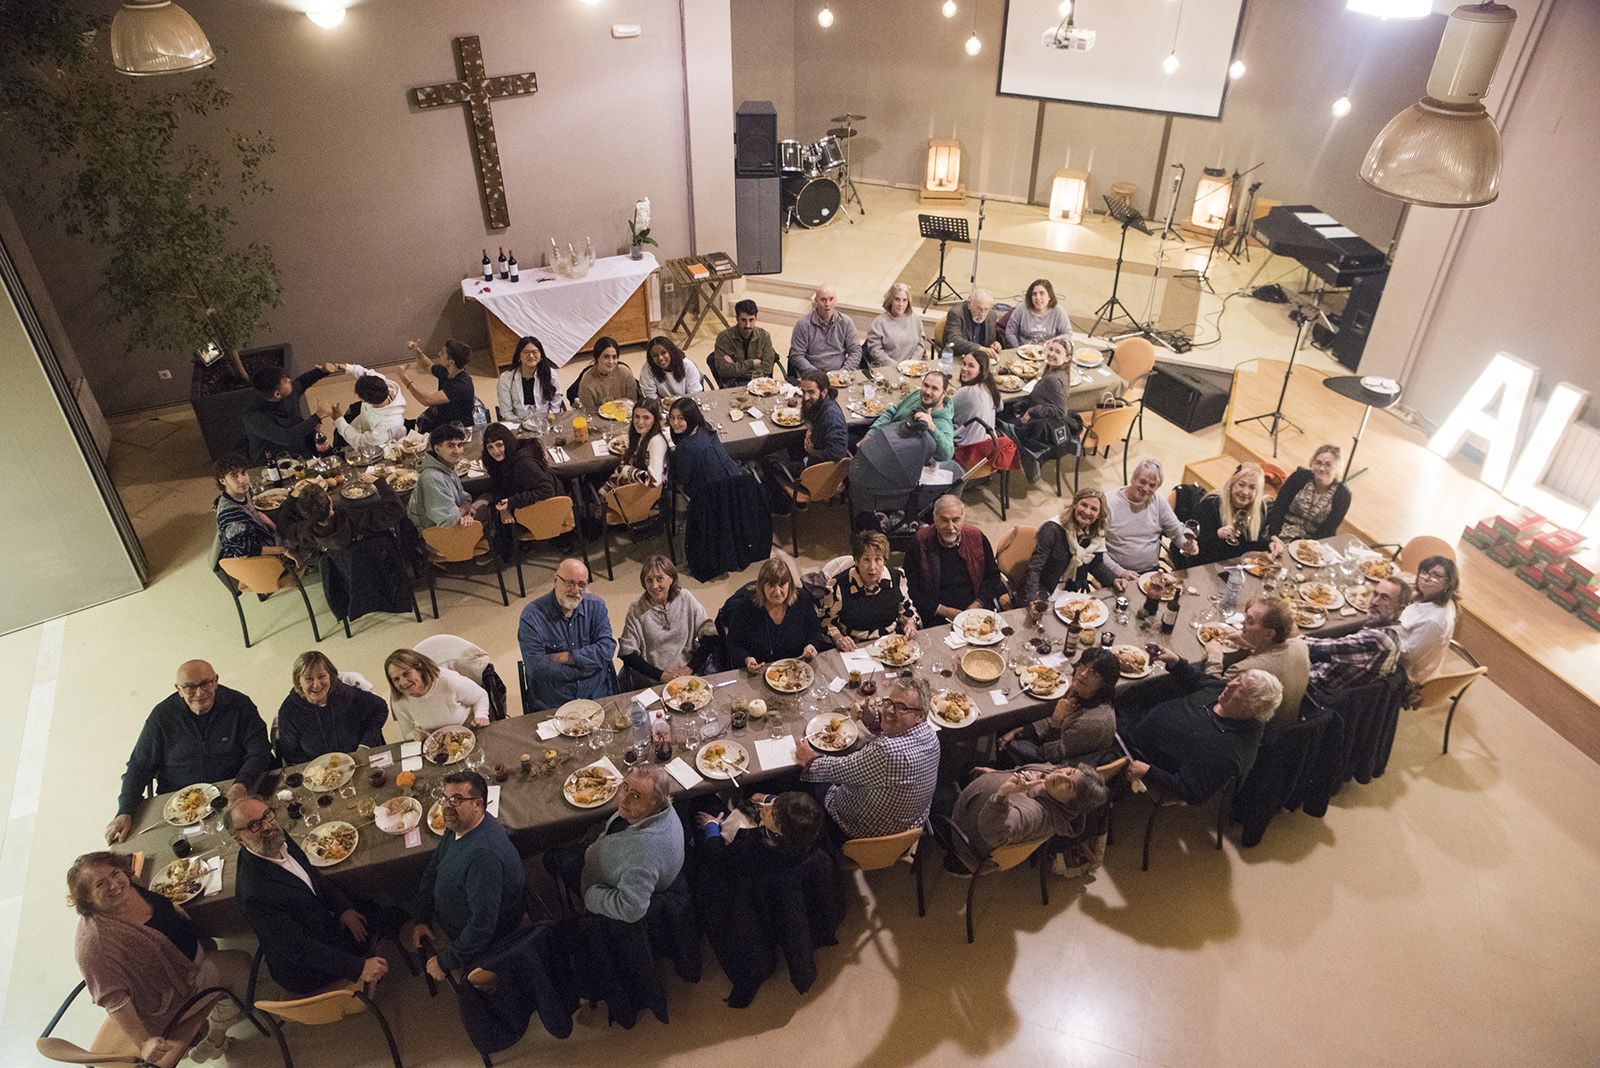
(566, 642)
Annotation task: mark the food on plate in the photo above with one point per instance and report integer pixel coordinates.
(1132, 659)
(1307, 551)
(1086, 610)
(1376, 570)
(1040, 679)
(897, 649)
(953, 707)
(1319, 595)
(401, 480)
(1359, 597)
(590, 787)
(355, 491)
(789, 676)
(833, 734)
(1030, 352)
(190, 804)
(449, 744)
(1008, 383)
(398, 815)
(786, 417)
(691, 689)
(1158, 584)
(181, 881)
(617, 445)
(436, 818)
(874, 407)
(914, 368)
(838, 378)
(1259, 564)
(618, 411)
(763, 387)
(1308, 618)
(332, 842)
(723, 758)
(979, 624)
(1215, 632)
(1088, 357)
(272, 499)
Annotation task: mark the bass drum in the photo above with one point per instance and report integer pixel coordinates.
(815, 200)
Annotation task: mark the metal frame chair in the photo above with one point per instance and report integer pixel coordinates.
(627, 506)
(461, 545)
(1451, 687)
(330, 1006)
(111, 1046)
(1134, 361)
(1224, 801)
(262, 576)
(820, 483)
(885, 851)
(985, 469)
(1103, 426)
(959, 846)
(545, 520)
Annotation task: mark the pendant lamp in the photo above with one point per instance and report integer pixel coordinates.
(157, 37)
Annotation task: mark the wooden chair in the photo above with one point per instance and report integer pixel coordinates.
(1013, 556)
(1134, 359)
(1102, 427)
(461, 546)
(262, 576)
(1157, 803)
(1418, 549)
(331, 1006)
(1003, 859)
(985, 469)
(627, 506)
(1450, 687)
(885, 851)
(545, 520)
(1109, 773)
(818, 484)
(111, 1044)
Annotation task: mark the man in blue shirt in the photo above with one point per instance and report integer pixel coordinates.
(566, 642)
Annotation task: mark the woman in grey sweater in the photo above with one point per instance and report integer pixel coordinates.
(661, 629)
(896, 334)
(977, 398)
(1001, 808)
(1039, 318)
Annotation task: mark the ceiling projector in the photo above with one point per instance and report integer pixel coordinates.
(1068, 39)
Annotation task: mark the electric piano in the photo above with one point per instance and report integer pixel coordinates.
(1318, 243)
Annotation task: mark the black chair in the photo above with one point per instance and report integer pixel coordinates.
(572, 390)
(326, 1007)
(1157, 803)
(262, 576)
(186, 1024)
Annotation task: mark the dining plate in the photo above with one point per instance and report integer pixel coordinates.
(1308, 552)
(1308, 618)
(1008, 383)
(873, 407)
(1259, 563)
(272, 499)
(1091, 611)
(1088, 357)
(617, 445)
(1045, 683)
(896, 650)
(786, 417)
(1377, 570)
(401, 480)
(1134, 661)
(590, 787)
(436, 818)
(1217, 632)
(398, 815)
(763, 387)
(789, 676)
(189, 805)
(722, 760)
(1358, 597)
(1322, 595)
(579, 718)
(837, 379)
(1159, 584)
(330, 843)
(356, 491)
(914, 368)
(181, 881)
(691, 689)
(448, 745)
(328, 772)
(952, 708)
(979, 626)
(829, 732)
(618, 411)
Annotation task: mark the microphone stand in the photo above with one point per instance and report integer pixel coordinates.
(1166, 230)
(977, 242)
(1276, 417)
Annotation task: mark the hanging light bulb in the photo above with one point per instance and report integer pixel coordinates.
(974, 46)
(949, 9)
(1236, 69)
(825, 17)
(1170, 64)
(1066, 8)
(327, 15)
(1341, 107)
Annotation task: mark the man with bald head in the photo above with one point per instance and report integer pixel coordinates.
(824, 339)
(203, 732)
(566, 642)
(973, 325)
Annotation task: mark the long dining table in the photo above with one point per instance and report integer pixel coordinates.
(534, 810)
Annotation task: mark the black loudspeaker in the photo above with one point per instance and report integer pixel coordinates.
(1194, 398)
(758, 217)
(755, 140)
(1356, 322)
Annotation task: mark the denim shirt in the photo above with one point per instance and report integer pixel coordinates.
(587, 636)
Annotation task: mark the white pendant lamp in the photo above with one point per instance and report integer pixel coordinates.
(1444, 150)
(157, 37)
(1391, 9)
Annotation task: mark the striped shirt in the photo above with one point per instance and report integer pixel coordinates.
(1355, 659)
(885, 787)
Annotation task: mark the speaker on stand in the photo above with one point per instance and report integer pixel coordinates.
(757, 188)
(1360, 308)
(755, 140)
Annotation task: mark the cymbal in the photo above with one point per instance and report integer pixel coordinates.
(842, 132)
(847, 117)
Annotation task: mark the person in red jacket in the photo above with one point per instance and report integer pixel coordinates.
(951, 566)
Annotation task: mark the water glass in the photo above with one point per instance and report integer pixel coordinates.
(689, 734)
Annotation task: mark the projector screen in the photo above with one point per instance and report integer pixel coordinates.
(1124, 68)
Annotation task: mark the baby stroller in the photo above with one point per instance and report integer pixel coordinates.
(886, 491)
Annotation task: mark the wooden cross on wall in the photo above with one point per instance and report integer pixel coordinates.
(475, 89)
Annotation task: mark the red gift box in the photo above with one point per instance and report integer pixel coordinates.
(1557, 544)
(1555, 574)
(1523, 522)
(1590, 616)
(1565, 598)
(1584, 566)
(1480, 534)
(1533, 575)
(1588, 596)
(1513, 553)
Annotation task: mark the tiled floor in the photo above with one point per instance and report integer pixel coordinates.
(1441, 916)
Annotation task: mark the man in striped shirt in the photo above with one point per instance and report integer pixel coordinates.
(886, 786)
(1370, 653)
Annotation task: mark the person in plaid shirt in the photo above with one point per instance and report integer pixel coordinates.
(1371, 652)
(886, 786)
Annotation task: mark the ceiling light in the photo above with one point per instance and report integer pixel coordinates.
(1170, 64)
(157, 37)
(1391, 9)
(1444, 151)
(1341, 107)
(825, 18)
(974, 46)
(1066, 8)
(327, 17)
(1236, 69)
(949, 9)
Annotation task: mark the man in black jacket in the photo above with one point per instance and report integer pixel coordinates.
(311, 932)
(203, 733)
(1191, 747)
(273, 423)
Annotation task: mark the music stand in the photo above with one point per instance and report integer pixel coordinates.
(1276, 415)
(1128, 216)
(943, 229)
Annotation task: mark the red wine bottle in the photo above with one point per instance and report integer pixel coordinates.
(514, 275)
(504, 274)
(488, 268)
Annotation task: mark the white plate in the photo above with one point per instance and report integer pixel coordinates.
(959, 625)
(434, 744)
(578, 719)
(806, 675)
(174, 816)
(763, 387)
(1092, 616)
(691, 688)
(1379, 384)
(1088, 357)
(1335, 605)
(722, 760)
(916, 368)
(1149, 575)
(1322, 552)
(877, 651)
(1117, 649)
(410, 816)
(936, 715)
(325, 830)
(849, 731)
(566, 790)
(195, 884)
(338, 769)
(1026, 677)
(435, 819)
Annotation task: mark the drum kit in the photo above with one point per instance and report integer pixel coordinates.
(816, 177)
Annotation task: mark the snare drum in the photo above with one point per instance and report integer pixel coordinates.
(824, 156)
(791, 157)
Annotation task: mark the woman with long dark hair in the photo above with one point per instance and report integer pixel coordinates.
(976, 402)
(528, 386)
(1428, 622)
(668, 373)
(644, 459)
(698, 455)
(519, 475)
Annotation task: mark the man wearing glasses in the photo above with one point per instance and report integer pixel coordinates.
(886, 786)
(472, 887)
(312, 933)
(566, 642)
(204, 732)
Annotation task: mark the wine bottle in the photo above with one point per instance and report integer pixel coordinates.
(488, 268)
(514, 275)
(1169, 613)
(504, 273)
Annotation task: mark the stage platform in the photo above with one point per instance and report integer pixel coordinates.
(1544, 657)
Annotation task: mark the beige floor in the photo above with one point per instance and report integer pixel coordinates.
(1441, 916)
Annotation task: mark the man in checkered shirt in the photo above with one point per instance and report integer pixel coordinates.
(1369, 654)
(886, 786)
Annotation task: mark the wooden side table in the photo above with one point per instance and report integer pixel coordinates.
(702, 292)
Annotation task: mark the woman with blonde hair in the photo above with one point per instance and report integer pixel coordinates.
(327, 713)
(896, 334)
(426, 696)
(775, 620)
(1069, 547)
(1233, 520)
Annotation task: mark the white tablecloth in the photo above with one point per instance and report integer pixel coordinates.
(563, 313)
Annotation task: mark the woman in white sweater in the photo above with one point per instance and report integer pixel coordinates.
(1428, 623)
(425, 696)
(668, 373)
(662, 627)
(1039, 318)
(896, 334)
(529, 385)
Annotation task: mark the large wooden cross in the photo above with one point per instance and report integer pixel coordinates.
(475, 89)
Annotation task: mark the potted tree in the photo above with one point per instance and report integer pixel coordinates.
(159, 207)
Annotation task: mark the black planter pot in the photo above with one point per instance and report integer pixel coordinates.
(219, 399)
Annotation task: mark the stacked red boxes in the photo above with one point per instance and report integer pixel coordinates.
(1480, 534)
(1583, 567)
(1557, 544)
(1522, 523)
(1534, 575)
(1513, 553)
(1563, 596)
